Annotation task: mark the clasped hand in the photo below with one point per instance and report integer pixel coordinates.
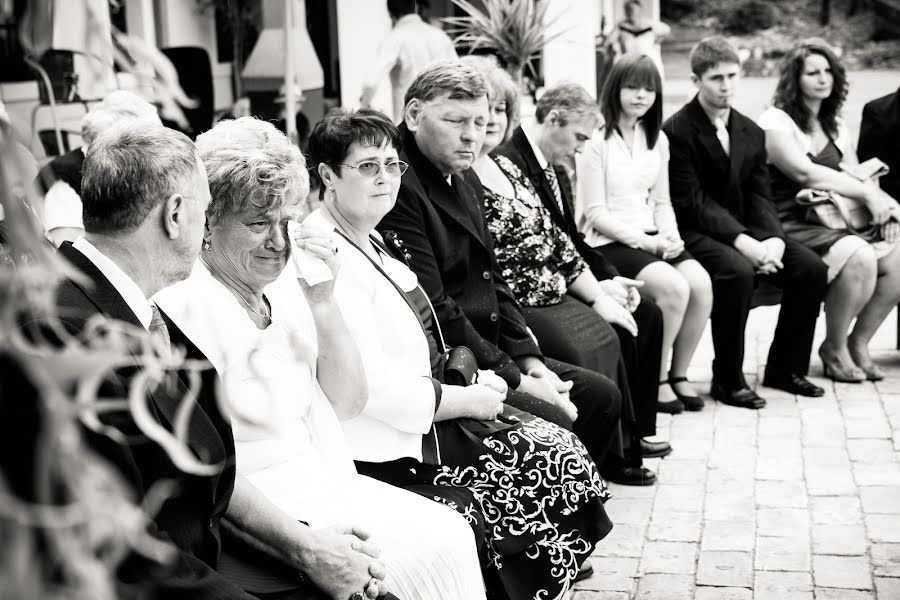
(765, 256)
(541, 382)
(344, 562)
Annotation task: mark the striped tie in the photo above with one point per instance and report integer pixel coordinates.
(550, 174)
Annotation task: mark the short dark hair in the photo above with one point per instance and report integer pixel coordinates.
(633, 70)
(789, 98)
(710, 52)
(332, 137)
(456, 78)
(129, 170)
(571, 100)
(399, 8)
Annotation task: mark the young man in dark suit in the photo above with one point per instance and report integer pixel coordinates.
(720, 191)
(565, 118)
(439, 218)
(879, 136)
(145, 194)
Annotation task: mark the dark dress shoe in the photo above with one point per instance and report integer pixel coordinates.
(793, 384)
(672, 407)
(692, 403)
(584, 571)
(742, 397)
(655, 449)
(631, 476)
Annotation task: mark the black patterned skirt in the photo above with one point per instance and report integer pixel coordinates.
(539, 498)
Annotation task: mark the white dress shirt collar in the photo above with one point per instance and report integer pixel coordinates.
(124, 284)
(529, 135)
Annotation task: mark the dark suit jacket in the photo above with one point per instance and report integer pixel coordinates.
(713, 193)
(879, 135)
(518, 150)
(190, 519)
(450, 247)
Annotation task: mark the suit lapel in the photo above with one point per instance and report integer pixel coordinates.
(166, 396)
(736, 156)
(536, 175)
(455, 200)
(706, 133)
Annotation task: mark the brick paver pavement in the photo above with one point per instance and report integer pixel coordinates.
(799, 501)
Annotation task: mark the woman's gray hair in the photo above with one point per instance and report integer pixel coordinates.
(250, 165)
(500, 86)
(570, 100)
(117, 107)
(455, 78)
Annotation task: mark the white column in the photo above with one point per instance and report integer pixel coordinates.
(570, 56)
(140, 20)
(361, 26)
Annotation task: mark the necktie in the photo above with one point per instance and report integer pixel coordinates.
(550, 174)
(722, 134)
(158, 329)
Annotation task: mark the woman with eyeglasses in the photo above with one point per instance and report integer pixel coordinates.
(539, 493)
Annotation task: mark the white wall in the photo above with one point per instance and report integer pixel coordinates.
(361, 25)
(570, 57)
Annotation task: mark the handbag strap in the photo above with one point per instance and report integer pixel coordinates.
(379, 246)
(837, 202)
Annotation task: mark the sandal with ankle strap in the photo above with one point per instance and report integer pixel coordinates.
(692, 403)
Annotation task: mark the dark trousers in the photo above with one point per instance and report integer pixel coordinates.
(803, 282)
(599, 404)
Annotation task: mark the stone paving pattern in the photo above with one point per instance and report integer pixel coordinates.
(798, 501)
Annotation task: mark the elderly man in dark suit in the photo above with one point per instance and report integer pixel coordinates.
(565, 118)
(878, 137)
(439, 218)
(145, 194)
(720, 191)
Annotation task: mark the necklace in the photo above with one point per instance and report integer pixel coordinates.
(236, 294)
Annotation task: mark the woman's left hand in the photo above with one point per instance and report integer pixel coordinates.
(320, 242)
(488, 378)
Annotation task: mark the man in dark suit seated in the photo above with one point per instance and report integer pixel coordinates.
(641, 353)
(719, 185)
(878, 137)
(145, 193)
(439, 218)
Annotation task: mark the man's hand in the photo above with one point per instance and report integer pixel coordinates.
(775, 251)
(546, 377)
(615, 289)
(615, 313)
(753, 250)
(341, 562)
(634, 295)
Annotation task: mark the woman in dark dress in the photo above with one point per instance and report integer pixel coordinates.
(808, 148)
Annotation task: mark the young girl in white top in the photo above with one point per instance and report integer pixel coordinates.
(623, 205)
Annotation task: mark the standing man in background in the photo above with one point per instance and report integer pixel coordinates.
(411, 45)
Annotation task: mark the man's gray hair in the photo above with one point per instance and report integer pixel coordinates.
(570, 100)
(118, 106)
(250, 165)
(130, 170)
(454, 78)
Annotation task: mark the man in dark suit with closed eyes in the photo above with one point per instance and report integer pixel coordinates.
(720, 192)
(440, 220)
(145, 195)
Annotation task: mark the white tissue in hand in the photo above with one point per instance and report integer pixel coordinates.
(309, 266)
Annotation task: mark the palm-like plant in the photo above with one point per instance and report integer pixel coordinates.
(514, 30)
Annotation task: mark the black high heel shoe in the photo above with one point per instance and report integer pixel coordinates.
(692, 403)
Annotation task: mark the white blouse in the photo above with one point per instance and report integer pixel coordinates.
(395, 356)
(775, 119)
(623, 193)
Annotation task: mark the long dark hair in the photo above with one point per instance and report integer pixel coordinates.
(633, 70)
(789, 98)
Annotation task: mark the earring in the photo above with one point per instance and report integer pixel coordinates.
(206, 244)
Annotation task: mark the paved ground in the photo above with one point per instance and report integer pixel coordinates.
(800, 501)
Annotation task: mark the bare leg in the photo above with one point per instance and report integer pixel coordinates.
(846, 297)
(671, 292)
(886, 296)
(695, 318)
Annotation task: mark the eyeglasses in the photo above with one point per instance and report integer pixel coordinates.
(370, 168)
